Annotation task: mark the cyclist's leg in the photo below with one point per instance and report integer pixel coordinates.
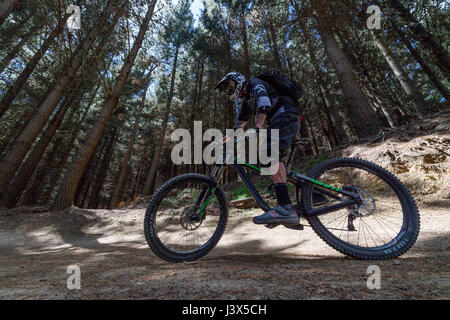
(280, 176)
(288, 125)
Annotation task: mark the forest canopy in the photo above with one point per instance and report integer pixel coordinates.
(86, 111)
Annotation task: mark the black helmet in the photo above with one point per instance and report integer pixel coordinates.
(232, 84)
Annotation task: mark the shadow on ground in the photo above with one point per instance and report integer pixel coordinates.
(116, 263)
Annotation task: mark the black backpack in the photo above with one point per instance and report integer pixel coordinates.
(283, 85)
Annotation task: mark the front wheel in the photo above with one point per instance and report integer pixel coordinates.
(385, 224)
(186, 218)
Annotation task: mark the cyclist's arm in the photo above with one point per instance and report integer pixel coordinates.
(260, 120)
(240, 124)
(243, 116)
(263, 104)
(260, 92)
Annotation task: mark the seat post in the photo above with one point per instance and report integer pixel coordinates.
(291, 157)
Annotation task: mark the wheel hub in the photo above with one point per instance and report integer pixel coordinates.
(190, 220)
(367, 206)
(364, 208)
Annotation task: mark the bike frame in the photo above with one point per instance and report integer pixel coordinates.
(294, 178)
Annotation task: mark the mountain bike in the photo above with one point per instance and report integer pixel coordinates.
(369, 214)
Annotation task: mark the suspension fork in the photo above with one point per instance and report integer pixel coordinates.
(205, 195)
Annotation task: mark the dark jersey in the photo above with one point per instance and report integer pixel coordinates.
(260, 97)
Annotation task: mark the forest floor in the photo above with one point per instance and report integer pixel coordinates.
(250, 261)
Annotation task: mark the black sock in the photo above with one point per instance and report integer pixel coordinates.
(282, 193)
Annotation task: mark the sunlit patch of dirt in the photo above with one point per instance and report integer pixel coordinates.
(250, 261)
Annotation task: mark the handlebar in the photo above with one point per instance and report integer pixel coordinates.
(227, 139)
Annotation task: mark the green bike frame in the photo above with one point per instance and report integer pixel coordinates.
(294, 178)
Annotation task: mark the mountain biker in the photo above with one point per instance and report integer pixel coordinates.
(261, 98)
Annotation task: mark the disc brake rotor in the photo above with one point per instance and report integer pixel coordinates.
(367, 206)
(187, 221)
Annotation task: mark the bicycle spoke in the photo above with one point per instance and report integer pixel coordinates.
(380, 212)
(174, 224)
(386, 224)
(376, 234)
(382, 226)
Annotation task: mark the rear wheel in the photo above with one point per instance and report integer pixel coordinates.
(179, 226)
(384, 225)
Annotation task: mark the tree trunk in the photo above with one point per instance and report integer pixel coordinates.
(304, 132)
(6, 8)
(200, 86)
(14, 90)
(380, 104)
(408, 85)
(13, 53)
(273, 38)
(367, 80)
(424, 36)
(309, 129)
(149, 183)
(34, 191)
(18, 126)
(23, 176)
(321, 79)
(66, 147)
(287, 58)
(102, 171)
(363, 118)
(136, 182)
(88, 175)
(229, 63)
(247, 71)
(427, 69)
(65, 151)
(124, 166)
(68, 187)
(13, 159)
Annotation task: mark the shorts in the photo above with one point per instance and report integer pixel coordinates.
(287, 121)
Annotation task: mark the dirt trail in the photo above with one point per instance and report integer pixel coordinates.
(250, 262)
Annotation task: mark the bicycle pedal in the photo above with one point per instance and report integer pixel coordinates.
(271, 225)
(295, 226)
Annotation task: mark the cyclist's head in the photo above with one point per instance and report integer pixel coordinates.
(232, 85)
